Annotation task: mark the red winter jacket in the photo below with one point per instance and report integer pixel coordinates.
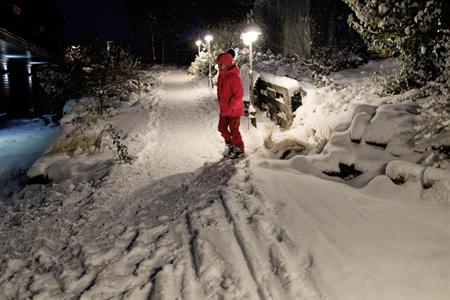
(230, 93)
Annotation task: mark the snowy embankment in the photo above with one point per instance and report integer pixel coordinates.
(21, 143)
(181, 223)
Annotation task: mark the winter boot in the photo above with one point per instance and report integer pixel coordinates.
(237, 153)
(229, 150)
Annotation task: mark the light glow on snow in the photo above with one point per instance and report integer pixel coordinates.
(182, 223)
(23, 141)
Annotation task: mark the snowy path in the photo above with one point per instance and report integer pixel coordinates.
(170, 225)
(181, 224)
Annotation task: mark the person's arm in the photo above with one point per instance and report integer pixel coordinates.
(237, 89)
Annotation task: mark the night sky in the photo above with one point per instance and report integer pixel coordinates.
(102, 19)
(108, 19)
(98, 21)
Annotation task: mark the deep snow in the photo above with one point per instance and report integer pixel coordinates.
(22, 142)
(180, 223)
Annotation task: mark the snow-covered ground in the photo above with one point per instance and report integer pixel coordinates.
(181, 223)
(21, 143)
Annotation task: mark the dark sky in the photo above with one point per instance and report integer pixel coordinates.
(108, 19)
(102, 19)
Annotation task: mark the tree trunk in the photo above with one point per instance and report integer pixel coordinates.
(153, 47)
(163, 50)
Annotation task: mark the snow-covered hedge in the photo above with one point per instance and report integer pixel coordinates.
(108, 79)
(413, 30)
(433, 131)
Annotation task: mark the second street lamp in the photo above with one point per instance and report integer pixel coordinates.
(208, 39)
(249, 36)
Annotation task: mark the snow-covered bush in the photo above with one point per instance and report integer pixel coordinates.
(325, 60)
(417, 33)
(106, 80)
(317, 68)
(73, 54)
(55, 86)
(83, 135)
(320, 80)
(106, 77)
(434, 129)
(414, 32)
(200, 66)
(91, 133)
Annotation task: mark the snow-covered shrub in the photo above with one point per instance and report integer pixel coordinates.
(332, 59)
(72, 143)
(91, 133)
(138, 88)
(414, 32)
(320, 80)
(55, 86)
(201, 64)
(318, 67)
(84, 135)
(434, 129)
(107, 79)
(73, 54)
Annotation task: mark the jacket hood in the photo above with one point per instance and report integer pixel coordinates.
(232, 70)
(225, 59)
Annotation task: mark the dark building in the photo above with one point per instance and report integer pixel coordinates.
(38, 26)
(31, 32)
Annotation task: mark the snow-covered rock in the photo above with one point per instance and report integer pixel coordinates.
(403, 171)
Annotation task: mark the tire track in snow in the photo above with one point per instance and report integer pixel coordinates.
(240, 240)
(281, 267)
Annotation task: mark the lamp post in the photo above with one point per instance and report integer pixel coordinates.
(208, 39)
(198, 43)
(249, 36)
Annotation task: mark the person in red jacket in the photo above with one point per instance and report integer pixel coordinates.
(230, 95)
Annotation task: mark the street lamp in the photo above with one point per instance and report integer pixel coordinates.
(208, 39)
(198, 43)
(249, 36)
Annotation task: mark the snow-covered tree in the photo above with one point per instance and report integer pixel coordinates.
(200, 66)
(413, 30)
